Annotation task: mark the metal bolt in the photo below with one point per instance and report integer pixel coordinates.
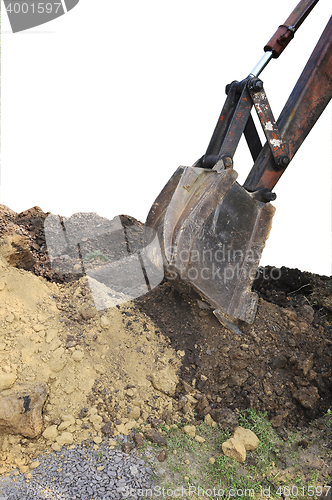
(283, 161)
(256, 85)
(228, 162)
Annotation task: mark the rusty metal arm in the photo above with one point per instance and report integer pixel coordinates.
(307, 101)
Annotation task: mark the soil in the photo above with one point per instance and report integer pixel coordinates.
(131, 357)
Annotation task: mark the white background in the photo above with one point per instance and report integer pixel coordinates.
(100, 106)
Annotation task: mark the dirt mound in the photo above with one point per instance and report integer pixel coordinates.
(161, 356)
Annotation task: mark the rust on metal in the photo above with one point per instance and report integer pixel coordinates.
(310, 96)
(285, 32)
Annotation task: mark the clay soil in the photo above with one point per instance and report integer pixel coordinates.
(280, 364)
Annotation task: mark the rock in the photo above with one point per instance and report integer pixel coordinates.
(67, 421)
(139, 440)
(248, 438)
(190, 430)
(279, 361)
(34, 465)
(202, 404)
(199, 439)
(97, 440)
(83, 413)
(290, 315)
(21, 410)
(238, 379)
(135, 412)
(127, 447)
(164, 381)
(162, 456)
(78, 355)
(208, 420)
(107, 429)
(234, 448)
(306, 365)
(65, 438)
(303, 327)
(308, 313)
(155, 437)
(226, 418)
(155, 422)
(307, 396)
(167, 417)
(212, 460)
(104, 323)
(51, 433)
(187, 388)
(277, 420)
(267, 388)
(51, 334)
(87, 312)
(6, 380)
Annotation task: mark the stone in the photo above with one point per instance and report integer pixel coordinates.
(306, 365)
(138, 440)
(190, 430)
(208, 420)
(199, 439)
(104, 323)
(51, 433)
(226, 418)
(127, 447)
(78, 355)
(7, 380)
(238, 378)
(212, 460)
(279, 361)
(234, 448)
(277, 420)
(291, 315)
(308, 313)
(164, 381)
(202, 404)
(21, 410)
(135, 412)
(155, 437)
(87, 312)
(162, 456)
(107, 429)
(187, 387)
(248, 438)
(34, 465)
(307, 396)
(51, 334)
(97, 439)
(65, 438)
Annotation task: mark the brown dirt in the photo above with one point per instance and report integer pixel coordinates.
(108, 363)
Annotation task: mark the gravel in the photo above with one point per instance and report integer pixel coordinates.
(73, 474)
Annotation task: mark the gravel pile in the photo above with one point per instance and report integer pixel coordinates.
(81, 473)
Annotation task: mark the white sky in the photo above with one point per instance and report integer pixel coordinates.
(100, 106)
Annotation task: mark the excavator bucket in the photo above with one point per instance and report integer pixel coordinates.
(211, 234)
(211, 230)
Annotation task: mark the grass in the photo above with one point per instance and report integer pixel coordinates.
(96, 255)
(188, 464)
